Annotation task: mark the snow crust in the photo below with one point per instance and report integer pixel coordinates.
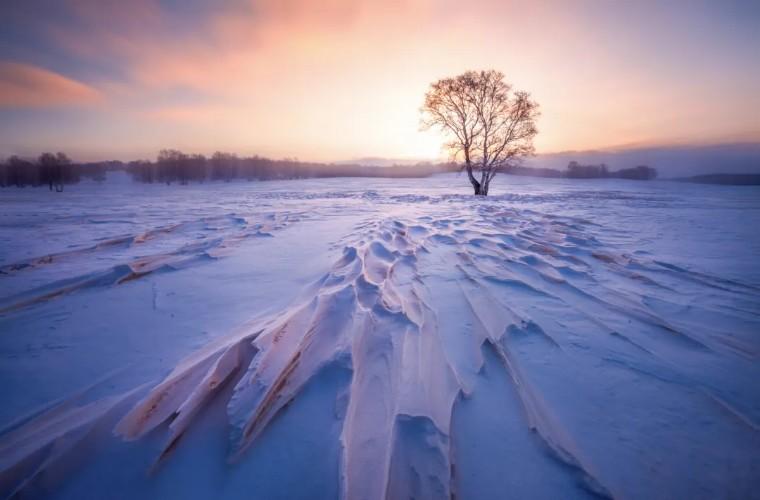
(367, 339)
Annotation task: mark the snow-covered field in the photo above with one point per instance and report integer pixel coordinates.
(378, 338)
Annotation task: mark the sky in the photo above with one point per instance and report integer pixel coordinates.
(334, 80)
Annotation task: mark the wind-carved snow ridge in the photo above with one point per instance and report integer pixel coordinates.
(595, 353)
(397, 427)
(368, 313)
(138, 255)
(37, 444)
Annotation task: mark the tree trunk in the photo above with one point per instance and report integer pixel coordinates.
(483, 183)
(475, 184)
(481, 188)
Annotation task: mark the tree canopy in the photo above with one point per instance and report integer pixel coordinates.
(489, 126)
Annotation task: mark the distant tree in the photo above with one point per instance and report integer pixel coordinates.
(95, 171)
(577, 171)
(20, 172)
(47, 163)
(64, 173)
(170, 164)
(195, 166)
(573, 169)
(142, 170)
(56, 170)
(489, 126)
(639, 173)
(173, 165)
(224, 166)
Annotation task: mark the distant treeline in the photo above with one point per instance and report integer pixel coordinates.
(51, 170)
(577, 171)
(176, 166)
(57, 170)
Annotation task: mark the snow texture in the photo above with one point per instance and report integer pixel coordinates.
(319, 339)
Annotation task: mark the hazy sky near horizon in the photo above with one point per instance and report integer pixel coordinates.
(340, 79)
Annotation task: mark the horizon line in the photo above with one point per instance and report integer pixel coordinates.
(614, 149)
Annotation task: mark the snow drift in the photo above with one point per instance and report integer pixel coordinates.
(490, 349)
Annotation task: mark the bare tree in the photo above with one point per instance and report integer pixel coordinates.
(55, 170)
(489, 126)
(62, 171)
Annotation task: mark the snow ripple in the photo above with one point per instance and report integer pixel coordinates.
(414, 308)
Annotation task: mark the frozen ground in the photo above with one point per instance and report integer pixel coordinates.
(371, 338)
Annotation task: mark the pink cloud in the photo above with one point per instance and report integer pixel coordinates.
(27, 86)
(108, 28)
(192, 114)
(346, 77)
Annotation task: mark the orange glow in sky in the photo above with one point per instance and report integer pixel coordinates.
(340, 79)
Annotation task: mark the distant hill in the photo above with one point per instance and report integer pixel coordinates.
(670, 161)
(374, 161)
(725, 179)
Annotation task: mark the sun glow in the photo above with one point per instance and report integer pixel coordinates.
(344, 79)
